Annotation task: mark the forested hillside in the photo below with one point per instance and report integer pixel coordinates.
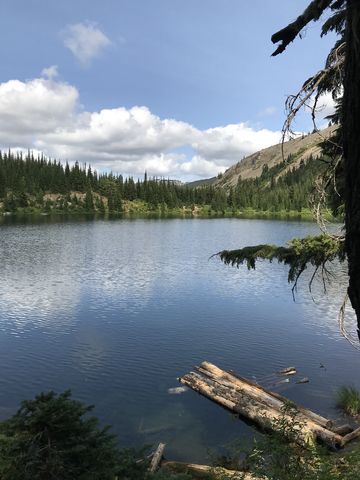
(286, 186)
(298, 149)
(30, 184)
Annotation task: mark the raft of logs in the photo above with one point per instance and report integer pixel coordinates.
(268, 410)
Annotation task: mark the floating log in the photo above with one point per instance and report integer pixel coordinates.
(205, 470)
(274, 399)
(156, 459)
(259, 405)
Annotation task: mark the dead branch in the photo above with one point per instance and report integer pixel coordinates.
(289, 33)
(353, 341)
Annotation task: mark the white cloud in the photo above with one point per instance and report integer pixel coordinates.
(85, 41)
(201, 167)
(29, 110)
(267, 112)
(50, 72)
(224, 144)
(325, 106)
(44, 114)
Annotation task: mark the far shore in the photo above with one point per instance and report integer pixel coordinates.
(137, 210)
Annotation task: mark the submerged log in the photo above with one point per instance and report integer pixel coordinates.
(303, 380)
(245, 398)
(156, 459)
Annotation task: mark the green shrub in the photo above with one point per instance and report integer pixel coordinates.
(348, 398)
(273, 457)
(53, 437)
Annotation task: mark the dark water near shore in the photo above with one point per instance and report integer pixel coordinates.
(116, 310)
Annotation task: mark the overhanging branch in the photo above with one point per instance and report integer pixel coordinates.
(288, 34)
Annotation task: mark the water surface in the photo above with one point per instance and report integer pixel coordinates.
(117, 310)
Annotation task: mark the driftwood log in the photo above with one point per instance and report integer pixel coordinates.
(205, 470)
(351, 436)
(263, 407)
(156, 459)
(343, 429)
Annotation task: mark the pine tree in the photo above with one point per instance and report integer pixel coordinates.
(2, 182)
(10, 204)
(52, 437)
(89, 200)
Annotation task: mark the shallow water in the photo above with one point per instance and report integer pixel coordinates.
(117, 310)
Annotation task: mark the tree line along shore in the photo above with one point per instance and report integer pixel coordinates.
(30, 185)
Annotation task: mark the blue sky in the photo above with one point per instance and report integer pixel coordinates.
(180, 88)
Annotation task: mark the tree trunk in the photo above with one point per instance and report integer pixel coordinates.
(351, 139)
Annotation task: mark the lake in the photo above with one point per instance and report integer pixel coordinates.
(117, 309)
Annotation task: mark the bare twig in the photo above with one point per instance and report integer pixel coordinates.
(353, 341)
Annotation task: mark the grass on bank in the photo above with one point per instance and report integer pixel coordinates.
(348, 399)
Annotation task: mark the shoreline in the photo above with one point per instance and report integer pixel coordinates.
(185, 213)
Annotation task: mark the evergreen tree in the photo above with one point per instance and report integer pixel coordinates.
(89, 201)
(2, 183)
(10, 204)
(52, 437)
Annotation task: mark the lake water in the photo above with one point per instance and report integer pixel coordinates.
(117, 310)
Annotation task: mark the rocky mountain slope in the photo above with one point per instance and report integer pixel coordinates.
(251, 167)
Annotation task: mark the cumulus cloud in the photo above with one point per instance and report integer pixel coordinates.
(85, 41)
(44, 114)
(225, 143)
(29, 110)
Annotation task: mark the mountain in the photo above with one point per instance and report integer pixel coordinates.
(299, 149)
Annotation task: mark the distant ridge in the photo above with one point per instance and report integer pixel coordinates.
(202, 183)
(252, 166)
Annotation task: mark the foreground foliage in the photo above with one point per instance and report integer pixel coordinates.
(53, 437)
(273, 457)
(298, 254)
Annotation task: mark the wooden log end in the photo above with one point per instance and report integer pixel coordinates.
(343, 429)
(355, 434)
(155, 461)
